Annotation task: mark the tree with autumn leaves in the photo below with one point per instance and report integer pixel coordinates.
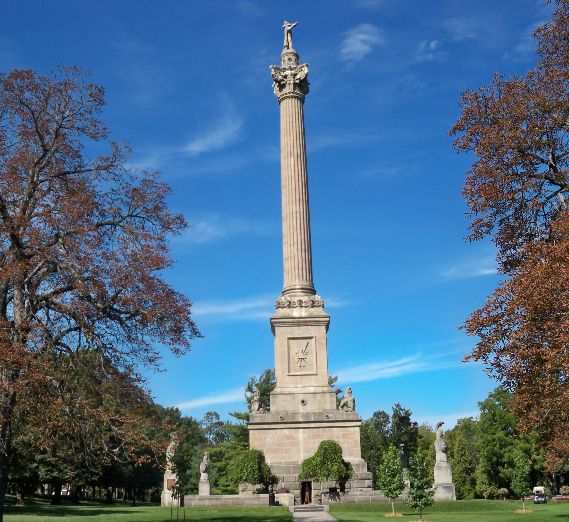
(83, 239)
(518, 131)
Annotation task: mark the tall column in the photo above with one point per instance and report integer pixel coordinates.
(291, 86)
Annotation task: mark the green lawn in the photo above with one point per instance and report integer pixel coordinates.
(40, 511)
(461, 511)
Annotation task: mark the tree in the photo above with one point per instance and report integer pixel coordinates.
(404, 431)
(517, 192)
(374, 436)
(82, 244)
(250, 467)
(326, 464)
(420, 485)
(521, 478)
(390, 477)
(463, 441)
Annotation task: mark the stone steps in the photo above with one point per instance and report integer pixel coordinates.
(308, 508)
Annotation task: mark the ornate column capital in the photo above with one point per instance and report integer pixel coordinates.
(290, 80)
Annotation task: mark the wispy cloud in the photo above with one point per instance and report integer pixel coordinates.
(244, 309)
(417, 363)
(369, 4)
(428, 50)
(252, 308)
(484, 266)
(224, 397)
(216, 228)
(450, 419)
(461, 29)
(359, 42)
(225, 131)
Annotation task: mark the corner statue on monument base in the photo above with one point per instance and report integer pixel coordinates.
(444, 487)
(348, 402)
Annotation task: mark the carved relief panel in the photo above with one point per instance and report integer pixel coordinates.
(301, 355)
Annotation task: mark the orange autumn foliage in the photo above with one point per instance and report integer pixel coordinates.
(517, 189)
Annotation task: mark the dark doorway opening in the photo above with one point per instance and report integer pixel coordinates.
(306, 493)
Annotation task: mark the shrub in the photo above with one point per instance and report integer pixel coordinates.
(564, 490)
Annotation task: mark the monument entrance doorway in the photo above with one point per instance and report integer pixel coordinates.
(306, 492)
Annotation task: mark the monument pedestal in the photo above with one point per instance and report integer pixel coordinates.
(204, 488)
(444, 488)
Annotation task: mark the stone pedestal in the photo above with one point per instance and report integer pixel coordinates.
(166, 498)
(204, 488)
(443, 482)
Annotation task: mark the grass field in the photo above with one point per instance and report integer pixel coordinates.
(461, 511)
(37, 510)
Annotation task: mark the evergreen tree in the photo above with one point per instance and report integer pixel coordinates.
(421, 480)
(390, 476)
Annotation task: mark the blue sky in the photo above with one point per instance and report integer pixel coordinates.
(188, 86)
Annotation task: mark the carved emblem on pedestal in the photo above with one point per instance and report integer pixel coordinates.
(301, 355)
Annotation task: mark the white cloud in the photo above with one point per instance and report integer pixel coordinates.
(472, 268)
(359, 42)
(369, 4)
(428, 50)
(461, 29)
(215, 228)
(450, 419)
(256, 307)
(224, 397)
(225, 131)
(247, 308)
(410, 364)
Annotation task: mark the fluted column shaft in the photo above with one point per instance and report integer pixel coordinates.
(297, 251)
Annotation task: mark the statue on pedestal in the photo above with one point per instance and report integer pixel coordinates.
(444, 487)
(169, 476)
(348, 402)
(204, 485)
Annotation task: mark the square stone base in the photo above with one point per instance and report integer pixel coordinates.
(287, 439)
(445, 492)
(204, 488)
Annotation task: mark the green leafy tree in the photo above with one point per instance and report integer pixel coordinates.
(188, 455)
(212, 427)
(374, 436)
(426, 444)
(390, 476)
(250, 467)
(332, 380)
(463, 456)
(404, 431)
(521, 483)
(326, 464)
(421, 490)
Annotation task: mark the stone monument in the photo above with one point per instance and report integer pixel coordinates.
(303, 408)
(167, 498)
(204, 485)
(444, 488)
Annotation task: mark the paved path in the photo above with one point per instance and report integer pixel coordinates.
(312, 517)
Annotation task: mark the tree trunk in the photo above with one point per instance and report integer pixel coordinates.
(392, 508)
(6, 435)
(109, 496)
(3, 482)
(56, 498)
(74, 494)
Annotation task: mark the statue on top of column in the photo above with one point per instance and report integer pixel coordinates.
(288, 27)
